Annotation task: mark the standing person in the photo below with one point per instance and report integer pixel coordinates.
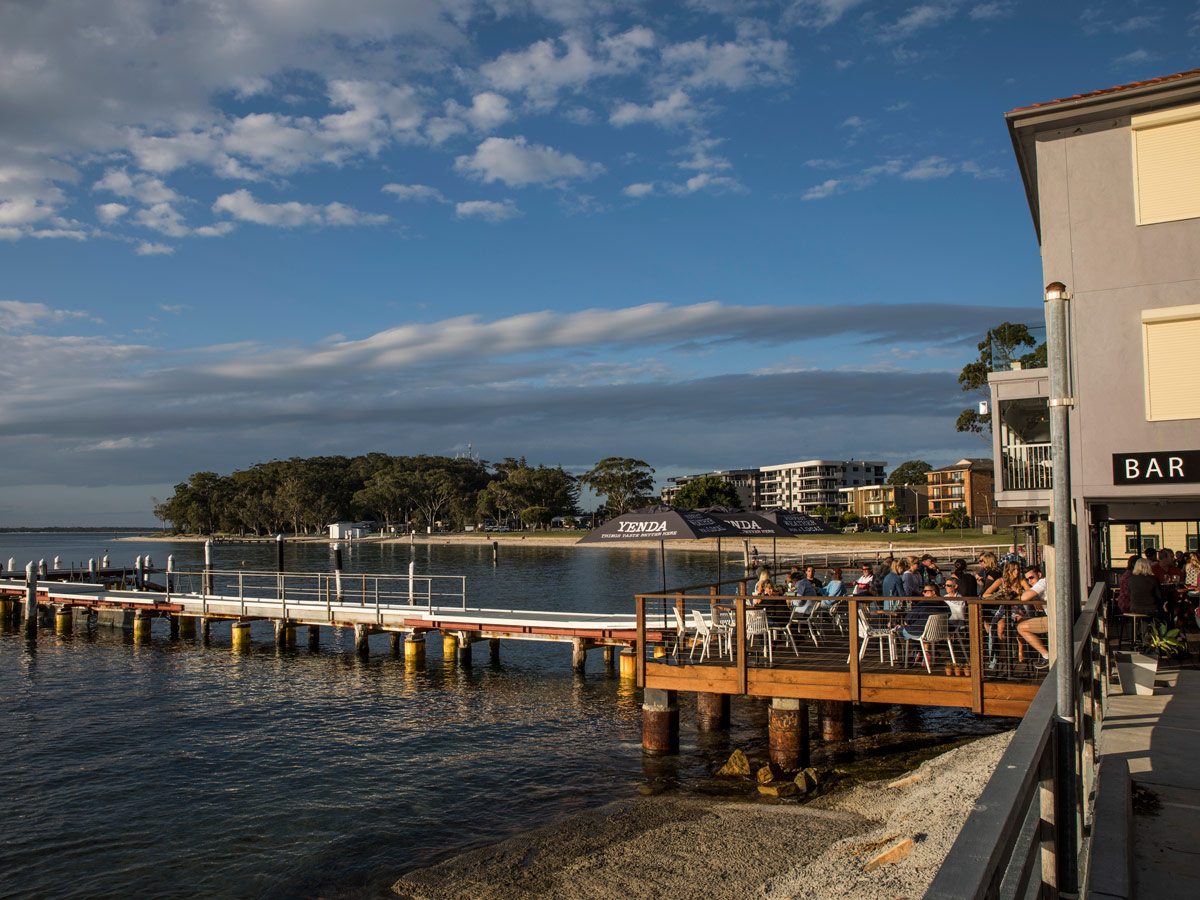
(930, 572)
(1015, 556)
(967, 585)
(893, 586)
(913, 580)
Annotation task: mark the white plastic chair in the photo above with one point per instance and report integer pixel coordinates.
(785, 630)
(680, 631)
(724, 624)
(935, 630)
(702, 630)
(758, 626)
(869, 632)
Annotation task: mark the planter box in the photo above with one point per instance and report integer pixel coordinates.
(1137, 671)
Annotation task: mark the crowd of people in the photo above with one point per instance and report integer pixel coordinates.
(911, 589)
(1161, 584)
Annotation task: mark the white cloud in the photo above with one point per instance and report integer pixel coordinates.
(641, 189)
(147, 248)
(822, 190)
(919, 18)
(669, 112)
(420, 192)
(242, 205)
(929, 168)
(110, 212)
(1135, 58)
(750, 60)
(818, 13)
(989, 11)
(18, 315)
(140, 187)
(518, 163)
(488, 210)
(707, 181)
(487, 111)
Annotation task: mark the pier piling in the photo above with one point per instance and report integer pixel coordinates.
(174, 628)
(579, 649)
(494, 651)
(835, 720)
(628, 666)
(712, 711)
(660, 722)
(187, 627)
(610, 656)
(62, 620)
(314, 638)
(787, 729)
(285, 634)
(361, 634)
(141, 628)
(449, 644)
(205, 626)
(414, 651)
(30, 602)
(240, 635)
(394, 640)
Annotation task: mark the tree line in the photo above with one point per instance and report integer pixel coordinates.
(304, 495)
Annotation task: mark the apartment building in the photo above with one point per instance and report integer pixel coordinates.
(870, 501)
(801, 486)
(966, 484)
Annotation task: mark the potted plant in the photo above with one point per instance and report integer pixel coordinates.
(1137, 670)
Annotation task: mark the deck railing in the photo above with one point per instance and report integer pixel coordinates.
(699, 639)
(1014, 844)
(428, 591)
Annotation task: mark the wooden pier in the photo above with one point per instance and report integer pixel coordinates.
(788, 662)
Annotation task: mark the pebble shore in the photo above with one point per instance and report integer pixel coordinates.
(678, 847)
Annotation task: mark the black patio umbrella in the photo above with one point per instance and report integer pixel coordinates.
(659, 523)
(749, 524)
(796, 523)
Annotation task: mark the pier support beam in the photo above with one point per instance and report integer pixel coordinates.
(62, 620)
(205, 630)
(610, 656)
(414, 651)
(360, 640)
(660, 722)
(712, 711)
(787, 729)
(449, 644)
(285, 635)
(314, 638)
(141, 628)
(174, 627)
(494, 651)
(115, 618)
(463, 654)
(187, 628)
(835, 720)
(394, 640)
(579, 649)
(628, 666)
(241, 635)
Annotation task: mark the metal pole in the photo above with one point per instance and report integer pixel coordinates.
(1061, 401)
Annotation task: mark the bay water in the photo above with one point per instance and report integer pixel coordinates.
(176, 770)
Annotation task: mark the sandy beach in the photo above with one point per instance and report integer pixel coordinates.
(681, 846)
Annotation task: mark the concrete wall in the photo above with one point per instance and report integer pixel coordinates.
(1114, 269)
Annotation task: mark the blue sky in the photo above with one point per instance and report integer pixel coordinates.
(706, 234)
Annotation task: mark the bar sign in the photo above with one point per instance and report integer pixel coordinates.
(1164, 467)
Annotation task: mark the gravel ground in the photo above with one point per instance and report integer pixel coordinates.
(680, 847)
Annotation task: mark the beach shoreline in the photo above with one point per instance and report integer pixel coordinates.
(676, 846)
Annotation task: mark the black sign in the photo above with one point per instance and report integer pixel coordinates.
(1166, 467)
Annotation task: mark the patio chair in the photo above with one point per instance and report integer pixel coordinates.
(935, 630)
(869, 632)
(785, 630)
(757, 625)
(680, 631)
(724, 624)
(703, 630)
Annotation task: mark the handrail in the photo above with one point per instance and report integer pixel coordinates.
(987, 852)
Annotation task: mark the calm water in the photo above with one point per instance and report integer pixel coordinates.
(173, 770)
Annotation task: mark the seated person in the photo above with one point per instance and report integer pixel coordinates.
(1165, 569)
(810, 574)
(930, 604)
(865, 586)
(1032, 628)
(805, 589)
(929, 570)
(958, 606)
(834, 587)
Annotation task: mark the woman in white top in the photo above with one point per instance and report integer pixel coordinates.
(958, 606)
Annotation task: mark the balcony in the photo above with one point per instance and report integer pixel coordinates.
(1026, 467)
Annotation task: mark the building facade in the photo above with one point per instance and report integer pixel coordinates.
(870, 502)
(802, 486)
(1112, 179)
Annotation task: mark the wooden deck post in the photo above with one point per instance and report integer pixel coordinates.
(975, 651)
(855, 643)
(494, 651)
(394, 642)
(712, 711)
(639, 649)
(739, 635)
(314, 638)
(206, 630)
(285, 634)
(579, 649)
(610, 656)
(361, 635)
(787, 731)
(660, 722)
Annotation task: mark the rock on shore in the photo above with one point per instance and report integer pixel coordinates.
(873, 842)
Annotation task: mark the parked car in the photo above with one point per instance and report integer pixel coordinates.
(879, 527)
(907, 529)
(854, 528)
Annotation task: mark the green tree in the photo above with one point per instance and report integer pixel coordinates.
(825, 512)
(625, 483)
(535, 515)
(892, 513)
(711, 490)
(849, 518)
(956, 518)
(999, 349)
(911, 472)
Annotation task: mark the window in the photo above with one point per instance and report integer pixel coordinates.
(1166, 165)
(1170, 336)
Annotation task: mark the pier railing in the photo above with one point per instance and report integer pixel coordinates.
(428, 591)
(1013, 843)
(692, 639)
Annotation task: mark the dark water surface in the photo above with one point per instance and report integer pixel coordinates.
(173, 770)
